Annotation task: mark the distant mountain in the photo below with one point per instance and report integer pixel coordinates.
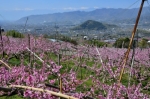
(93, 25)
(4, 23)
(103, 15)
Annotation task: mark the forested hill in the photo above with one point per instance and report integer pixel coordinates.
(93, 25)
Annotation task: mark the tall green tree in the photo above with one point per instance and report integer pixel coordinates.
(15, 34)
(122, 42)
(143, 43)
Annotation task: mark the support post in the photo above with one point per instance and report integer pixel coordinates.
(137, 39)
(1, 30)
(29, 48)
(131, 40)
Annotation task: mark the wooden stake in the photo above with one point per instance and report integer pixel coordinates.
(2, 42)
(29, 48)
(5, 64)
(60, 85)
(42, 90)
(130, 44)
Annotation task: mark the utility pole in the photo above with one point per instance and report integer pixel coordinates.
(137, 36)
(25, 25)
(56, 32)
(2, 30)
(29, 45)
(131, 41)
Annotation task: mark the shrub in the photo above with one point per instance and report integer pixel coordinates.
(14, 34)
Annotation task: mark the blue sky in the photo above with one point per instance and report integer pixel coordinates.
(15, 9)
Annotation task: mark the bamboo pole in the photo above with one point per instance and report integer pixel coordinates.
(5, 64)
(42, 90)
(132, 63)
(100, 58)
(29, 45)
(36, 56)
(60, 85)
(131, 40)
(1, 42)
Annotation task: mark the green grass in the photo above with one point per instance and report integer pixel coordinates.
(82, 72)
(11, 97)
(14, 61)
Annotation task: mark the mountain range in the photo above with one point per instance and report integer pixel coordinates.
(110, 15)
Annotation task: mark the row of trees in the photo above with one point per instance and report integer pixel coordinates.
(120, 43)
(68, 39)
(14, 34)
(60, 37)
(124, 42)
(97, 43)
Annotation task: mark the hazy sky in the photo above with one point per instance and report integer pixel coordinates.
(15, 9)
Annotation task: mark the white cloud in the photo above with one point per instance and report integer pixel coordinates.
(24, 9)
(72, 8)
(96, 7)
(84, 8)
